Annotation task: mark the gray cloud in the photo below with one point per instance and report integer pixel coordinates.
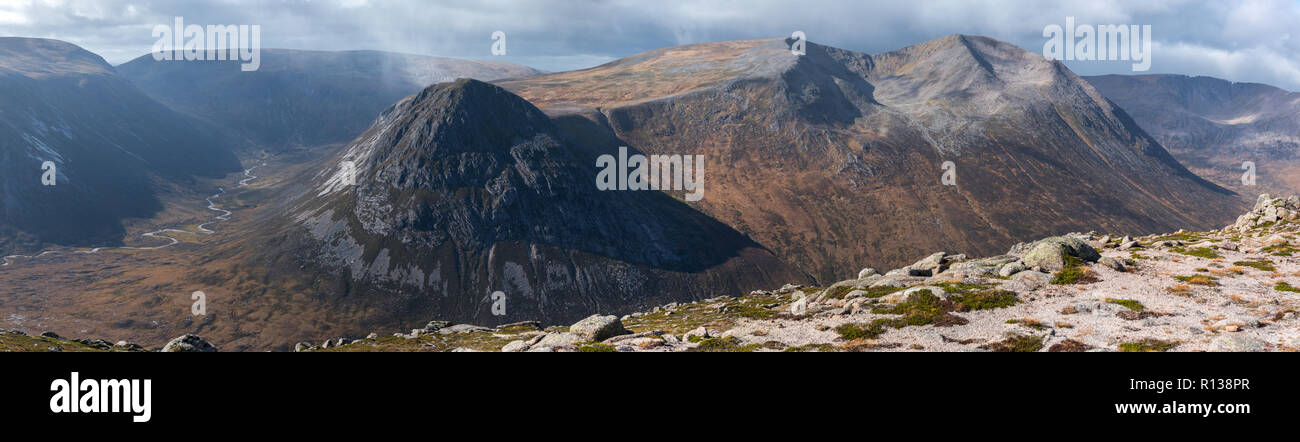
(1241, 40)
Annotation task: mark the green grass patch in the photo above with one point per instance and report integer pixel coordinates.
(727, 344)
(1127, 303)
(1200, 252)
(1259, 264)
(1073, 273)
(1282, 286)
(1147, 346)
(1016, 344)
(1204, 280)
(596, 347)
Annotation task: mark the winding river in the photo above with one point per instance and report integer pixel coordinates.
(162, 233)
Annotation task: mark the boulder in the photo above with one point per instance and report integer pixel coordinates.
(515, 346)
(867, 272)
(929, 265)
(1011, 268)
(1051, 253)
(556, 340)
(1114, 263)
(598, 328)
(188, 343)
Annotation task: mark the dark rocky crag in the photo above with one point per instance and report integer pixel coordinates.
(465, 189)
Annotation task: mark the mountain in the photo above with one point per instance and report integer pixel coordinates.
(302, 98)
(1213, 126)
(465, 189)
(108, 141)
(834, 159)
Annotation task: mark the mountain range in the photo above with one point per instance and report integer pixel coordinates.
(435, 197)
(834, 159)
(1214, 126)
(110, 145)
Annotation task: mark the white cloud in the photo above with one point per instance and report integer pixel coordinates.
(1245, 40)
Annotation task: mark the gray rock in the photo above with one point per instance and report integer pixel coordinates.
(188, 343)
(1027, 281)
(460, 328)
(50, 334)
(1237, 343)
(867, 272)
(515, 346)
(302, 346)
(1114, 263)
(1126, 245)
(1011, 268)
(1051, 253)
(929, 265)
(598, 328)
(897, 281)
(557, 339)
(699, 331)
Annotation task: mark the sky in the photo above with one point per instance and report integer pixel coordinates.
(1239, 40)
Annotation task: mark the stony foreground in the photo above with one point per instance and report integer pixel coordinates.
(1233, 289)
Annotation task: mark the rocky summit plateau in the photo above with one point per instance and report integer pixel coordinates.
(1232, 289)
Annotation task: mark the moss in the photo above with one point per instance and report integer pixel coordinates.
(985, 300)
(1073, 273)
(596, 347)
(922, 308)
(1204, 280)
(1280, 250)
(1017, 344)
(853, 331)
(1128, 303)
(1200, 252)
(1147, 345)
(1031, 323)
(810, 348)
(1260, 264)
(1136, 256)
(1282, 286)
(727, 344)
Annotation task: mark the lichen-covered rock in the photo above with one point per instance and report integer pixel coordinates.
(188, 343)
(598, 328)
(1051, 253)
(867, 272)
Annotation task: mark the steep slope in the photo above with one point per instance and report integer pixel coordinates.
(62, 104)
(1214, 125)
(465, 189)
(833, 159)
(302, 98)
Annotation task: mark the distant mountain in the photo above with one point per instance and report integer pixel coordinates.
(1214, 125)
(465, 189)
(108, 140)
(302, 98)
(833, 160)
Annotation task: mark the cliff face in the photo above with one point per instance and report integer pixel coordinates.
(835, 159)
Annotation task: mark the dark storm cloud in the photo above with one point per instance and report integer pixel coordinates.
(1246, 40)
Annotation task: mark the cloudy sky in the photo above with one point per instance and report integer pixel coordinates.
(1240, 40)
